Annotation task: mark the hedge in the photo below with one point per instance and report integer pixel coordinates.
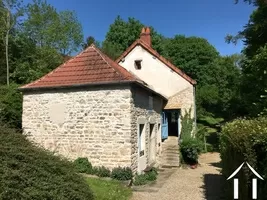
(241, 141)
(29, 172)
(11, 105)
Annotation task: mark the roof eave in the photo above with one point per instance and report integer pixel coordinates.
(151, 90)
(139, 42)
(25, 89)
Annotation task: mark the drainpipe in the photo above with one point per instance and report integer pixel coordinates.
(195, 108)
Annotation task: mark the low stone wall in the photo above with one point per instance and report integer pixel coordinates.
(93, 123)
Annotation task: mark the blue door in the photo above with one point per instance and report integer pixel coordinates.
(164, 127)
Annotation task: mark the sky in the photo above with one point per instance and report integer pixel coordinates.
(210, 19)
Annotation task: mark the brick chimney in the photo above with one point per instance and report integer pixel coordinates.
(145, 36)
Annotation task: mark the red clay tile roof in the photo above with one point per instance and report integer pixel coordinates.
(90, 66)
(158, 56)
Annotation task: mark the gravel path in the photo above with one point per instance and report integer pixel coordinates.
(190, 184)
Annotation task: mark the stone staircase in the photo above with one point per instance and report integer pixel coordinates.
(170, 153)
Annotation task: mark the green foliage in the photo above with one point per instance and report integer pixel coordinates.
(244, 140)
(142, 179)
(102, 171)
(122, 174)
(109, 189)
(255, 82)
(186, 124)
(152, 174)
(218, 94)
(89, 41)
(190, 149)
(82, 165)
(192, 54)
(28, 172)
(208, 130)
(10, 105)
(34, 63)
(49, 28)
(122, 34)
(253, 66)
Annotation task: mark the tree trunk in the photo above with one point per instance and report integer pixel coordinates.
(7, 60)
(7, 35)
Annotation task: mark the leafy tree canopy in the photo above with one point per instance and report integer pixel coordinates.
(122, 34)
(193, 55)
(49, 28)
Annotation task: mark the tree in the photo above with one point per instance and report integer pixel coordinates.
(10, 12)
(90, 40)
(253, 66)
(255, 82)
(31, 61)
(193, 55)
(49, 28)
(122, 34)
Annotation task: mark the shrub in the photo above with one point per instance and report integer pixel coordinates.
(11, 105)
(28, 172)
(244, 140)
(190, 149)
(102, 171)
(140, 179)
(145, 178)
(152, 175)
(82, 165)
(94, 170)
(122, 174)
(186, 124)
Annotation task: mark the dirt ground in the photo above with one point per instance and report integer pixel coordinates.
(204, 182)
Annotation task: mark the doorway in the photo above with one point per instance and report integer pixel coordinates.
(171, 121)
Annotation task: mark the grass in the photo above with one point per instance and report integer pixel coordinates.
(108, 190)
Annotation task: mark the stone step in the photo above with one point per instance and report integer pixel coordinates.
(170, 151)
(170, 158)
(168, 162)
(174, 165)
(170, 147)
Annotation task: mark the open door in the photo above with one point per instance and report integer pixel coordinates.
(164, 127)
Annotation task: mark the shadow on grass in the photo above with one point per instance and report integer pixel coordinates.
(213, 186)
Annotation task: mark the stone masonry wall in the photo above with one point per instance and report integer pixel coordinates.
(140, 110)
(93, 123)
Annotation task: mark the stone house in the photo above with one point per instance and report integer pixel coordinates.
(116, 113)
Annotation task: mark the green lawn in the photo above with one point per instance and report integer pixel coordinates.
(108, 190)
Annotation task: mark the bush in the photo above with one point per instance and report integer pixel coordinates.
(82, 165)
(140, 179)
(145, 178)
(240, 141)
(102, 171)
(186, 124)
(190, 149)
(94, 170)
(28, 172)
(122, 174)
(151, 175)
(11, 105)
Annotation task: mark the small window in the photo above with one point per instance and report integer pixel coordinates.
(138, 64)
(150, 103)
(142, 140)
